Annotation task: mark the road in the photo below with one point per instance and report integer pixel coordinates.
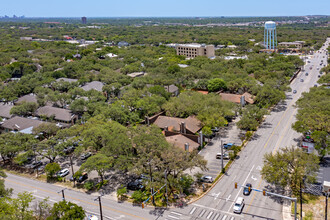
(217, 204)
(273, 134)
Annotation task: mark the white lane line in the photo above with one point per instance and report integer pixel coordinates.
(216, 217)
(175, 213)
(239, 191)
(217, 210)
(228, 198)
(224, 217)
(209, 216)
(192, 211)
(232, 218)
(202, 213)
(171, 216)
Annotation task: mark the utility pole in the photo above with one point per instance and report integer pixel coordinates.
(326, 206)
(63, 197)
(166, 187)
(100, 204)
(221, 146)
(300, 202)
(74, 181)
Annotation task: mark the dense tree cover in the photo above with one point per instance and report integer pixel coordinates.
(314, 117)
(66, 210)
(251, 117)
(289, 167)
(208, 108)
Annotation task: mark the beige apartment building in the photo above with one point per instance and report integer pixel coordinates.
(194, 50)
(298, 45)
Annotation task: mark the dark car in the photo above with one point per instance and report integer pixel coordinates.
(36, 164)
(69, 149)
(228, 146)
(294, 91)
(306, 74)
(85, 155)
(135, 185)
(247, 189)
(82, 178)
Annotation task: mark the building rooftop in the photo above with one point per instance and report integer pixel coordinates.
(27, 98)
(180, 140)
(19, 123)
(59, 113)
(97, 85)
(173, 123)
(136, 74)
(5, 110)
(66, 80)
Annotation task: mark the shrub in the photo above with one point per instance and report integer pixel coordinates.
(89, 185)
(51, 169)
(138, 196)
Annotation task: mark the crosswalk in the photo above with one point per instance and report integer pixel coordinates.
(201, 213)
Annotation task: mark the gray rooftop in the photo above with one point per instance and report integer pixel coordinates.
(97, 85)
(59, 113)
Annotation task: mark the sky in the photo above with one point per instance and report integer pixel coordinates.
(163, 8)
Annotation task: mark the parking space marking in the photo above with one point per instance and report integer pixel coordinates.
(192, 210)
(202, 213)
(224, 217)
(171, 216)
(210, 214)
(175, 213)
(216, 216)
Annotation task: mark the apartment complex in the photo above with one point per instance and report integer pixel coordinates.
(294, 45)
(194, 50)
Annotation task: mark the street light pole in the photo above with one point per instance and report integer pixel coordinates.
(100, 204)
(221, 146)
(326, 206)
(63, 197)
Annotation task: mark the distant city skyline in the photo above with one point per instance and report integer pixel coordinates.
(161, 8)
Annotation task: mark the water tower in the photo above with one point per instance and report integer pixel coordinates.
(270, 38)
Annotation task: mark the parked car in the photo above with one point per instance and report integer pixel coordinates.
(306, 74)
(239, 204)
(228, 146)
(215, 129)
(315, 85)
(247, 189)
(225, 156)
(69, 149)
(294, 91)
(36, 164)
(63, 173)
(82, 178)
(135, 185)
(301, 80)
(207, 179)
(85, 155)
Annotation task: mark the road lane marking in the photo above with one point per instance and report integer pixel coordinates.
(254, 178)
(224, 217)
(217, 210)
(216, 195)
(202, 213)
(171, 216)
(192, 211)
(83, 201)
(210, 214)
(175, 213)
(241, 188)
(216, 217)
(228, 198)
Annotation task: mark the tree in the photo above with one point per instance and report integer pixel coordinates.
(51, 169)
(46, 129)
(314, 117)
(289, 167)
(24, 109)
(66, 211)
(99, 162)
(3, 191)
(216, 84)
(22, 206)
(251, 117)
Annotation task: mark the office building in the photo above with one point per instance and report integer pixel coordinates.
(194, 50)
(84, 20)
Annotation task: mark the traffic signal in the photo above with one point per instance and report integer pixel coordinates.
(235, 185)
(249, 188)
(264, 192)
(143, 205)
(158, 191)
(151, 197)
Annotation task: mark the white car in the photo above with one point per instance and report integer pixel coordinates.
(63, 173)
(239, 204)
(207, 179)
(225, 156)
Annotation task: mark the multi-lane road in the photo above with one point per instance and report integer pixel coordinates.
(217, 204)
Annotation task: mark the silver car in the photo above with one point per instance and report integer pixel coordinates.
(207, 179)
(239, 204)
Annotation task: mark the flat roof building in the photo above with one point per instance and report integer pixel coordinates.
(194, 50)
